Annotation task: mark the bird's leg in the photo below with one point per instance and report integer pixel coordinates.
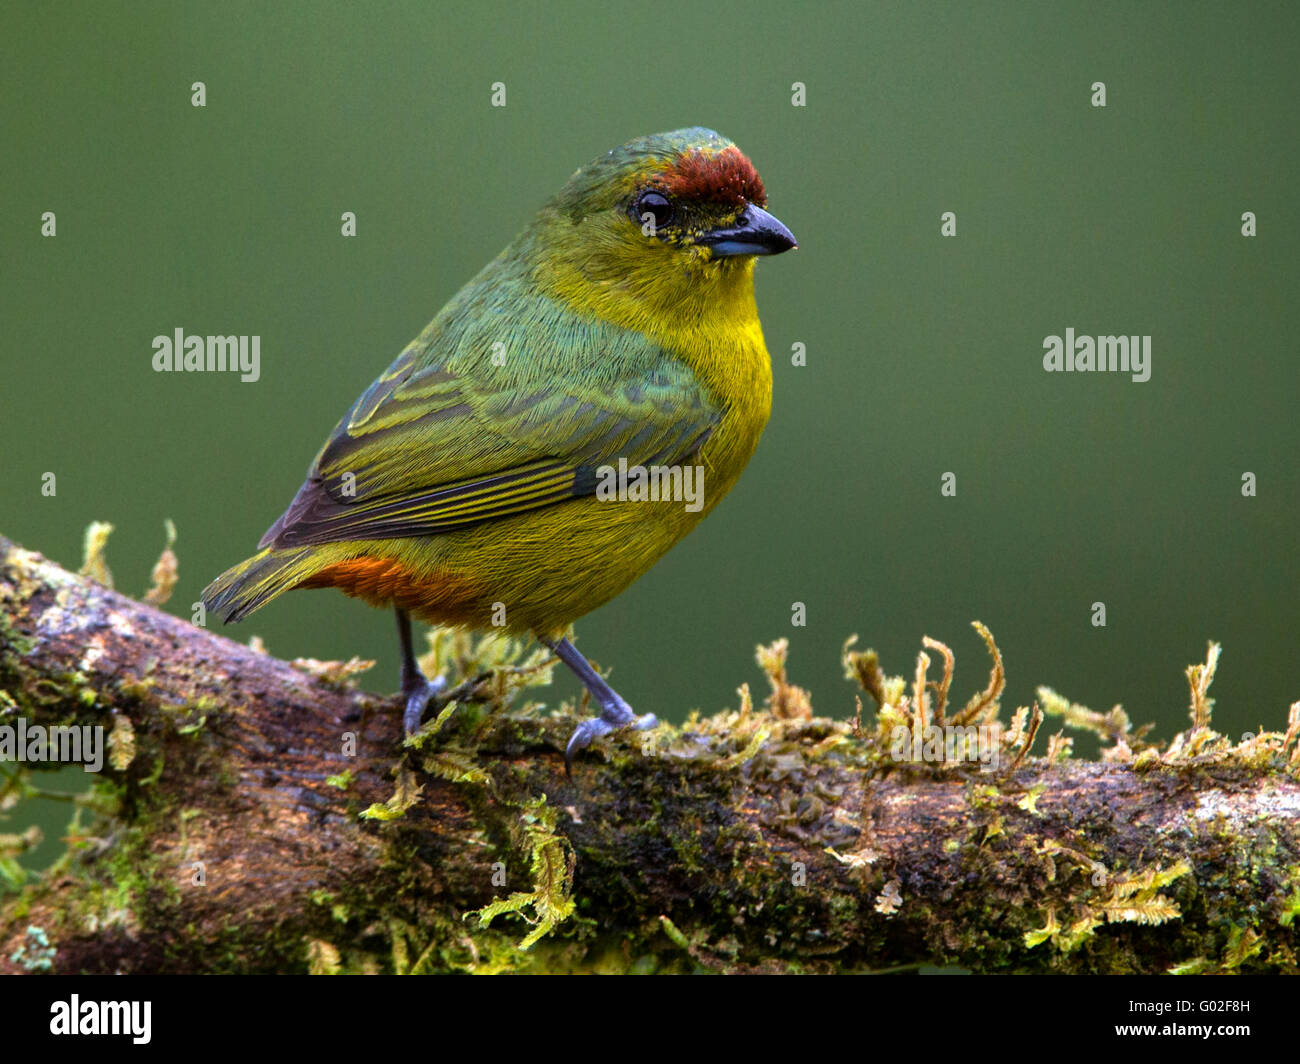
(614, 712)
(415, 688)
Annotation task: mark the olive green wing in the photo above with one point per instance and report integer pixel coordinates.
(435, 445)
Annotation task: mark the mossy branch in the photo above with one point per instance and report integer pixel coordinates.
(254, 816)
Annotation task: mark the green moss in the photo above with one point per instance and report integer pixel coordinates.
(551, 864)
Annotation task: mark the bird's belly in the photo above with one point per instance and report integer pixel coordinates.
(537, 571)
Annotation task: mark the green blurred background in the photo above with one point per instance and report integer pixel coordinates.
(924, 353)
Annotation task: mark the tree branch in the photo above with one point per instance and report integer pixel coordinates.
(227, 831)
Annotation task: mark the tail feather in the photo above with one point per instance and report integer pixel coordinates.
(253, 583)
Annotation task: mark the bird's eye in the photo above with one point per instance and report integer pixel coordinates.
(652, 210)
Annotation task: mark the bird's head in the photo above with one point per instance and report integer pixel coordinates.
(666, 224)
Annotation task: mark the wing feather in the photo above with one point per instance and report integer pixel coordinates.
(439, 444)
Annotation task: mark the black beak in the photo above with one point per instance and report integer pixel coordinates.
(755, 233)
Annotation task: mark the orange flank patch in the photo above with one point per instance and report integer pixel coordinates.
(436, 597)
(725, 176)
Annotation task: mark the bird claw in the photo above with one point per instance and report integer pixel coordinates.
(418, 698)
(613, 718)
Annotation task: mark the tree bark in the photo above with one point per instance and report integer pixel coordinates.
(226, 833)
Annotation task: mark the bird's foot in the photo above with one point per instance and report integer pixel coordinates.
(419, 692)
(614, 712)
(615, 715)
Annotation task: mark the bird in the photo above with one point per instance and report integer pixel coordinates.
(495, 475)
